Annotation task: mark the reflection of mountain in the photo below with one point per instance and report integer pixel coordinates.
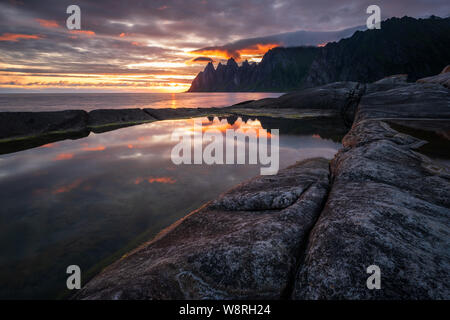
(418, 47)
(326, 127)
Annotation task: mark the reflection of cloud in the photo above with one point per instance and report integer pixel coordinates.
(68, 188)
(63, 156)
(99, 148)
(48, 145)
(239, 125)
(162, 180)
(131, 156)
(168, 180)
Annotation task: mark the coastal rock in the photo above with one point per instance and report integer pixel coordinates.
(388, 206)
(443, 78)
(181, 113)
(113, 117)
(226, 250)
(339, 98)
(429, 101)
(28, 124)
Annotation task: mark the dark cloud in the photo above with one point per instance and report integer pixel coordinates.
(289, 39)
(202, 59)
(136, 36)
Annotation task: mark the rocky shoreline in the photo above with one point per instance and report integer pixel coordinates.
(311, 231)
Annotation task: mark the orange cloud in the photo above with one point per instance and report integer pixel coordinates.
(254, 50)
(48, 23)
(16, 36)
(68, 188)
(122, 35)
(63, 156)
(322, 44)
(83, 32)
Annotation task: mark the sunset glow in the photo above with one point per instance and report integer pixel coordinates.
(152, 47)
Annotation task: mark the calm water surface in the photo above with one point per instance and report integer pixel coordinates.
(88, 201)
(91, 101)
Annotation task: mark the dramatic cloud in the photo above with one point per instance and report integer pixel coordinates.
(160, 45)
(17, 36)
(48, 23)
(255, 47)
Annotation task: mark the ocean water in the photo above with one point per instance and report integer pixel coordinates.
(88, 201)
(91, 101)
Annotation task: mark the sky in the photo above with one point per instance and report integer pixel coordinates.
(160, 45)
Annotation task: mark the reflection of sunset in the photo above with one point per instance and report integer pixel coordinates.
(64, 156)
(167, 180)
(99, 148)
(68, 188)
(239, 125)
(48, 145)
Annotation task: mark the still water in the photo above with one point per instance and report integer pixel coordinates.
(92, 101)
(88, 201)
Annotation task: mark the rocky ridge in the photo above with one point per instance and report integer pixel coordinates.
(416, 47)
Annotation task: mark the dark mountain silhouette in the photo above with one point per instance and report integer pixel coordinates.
(417, 47)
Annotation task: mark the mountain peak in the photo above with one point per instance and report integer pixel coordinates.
(232, 63)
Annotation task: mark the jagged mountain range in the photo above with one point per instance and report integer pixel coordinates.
(417, 47)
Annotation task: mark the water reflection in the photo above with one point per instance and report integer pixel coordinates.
(88, 201)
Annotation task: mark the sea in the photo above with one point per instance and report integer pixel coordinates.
(92, 101)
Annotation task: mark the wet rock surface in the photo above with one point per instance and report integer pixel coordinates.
(430, 101)
(443, 78)
(107, 117)
(236, 247)
(16, 124)
(181, 113)
(387, 207)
